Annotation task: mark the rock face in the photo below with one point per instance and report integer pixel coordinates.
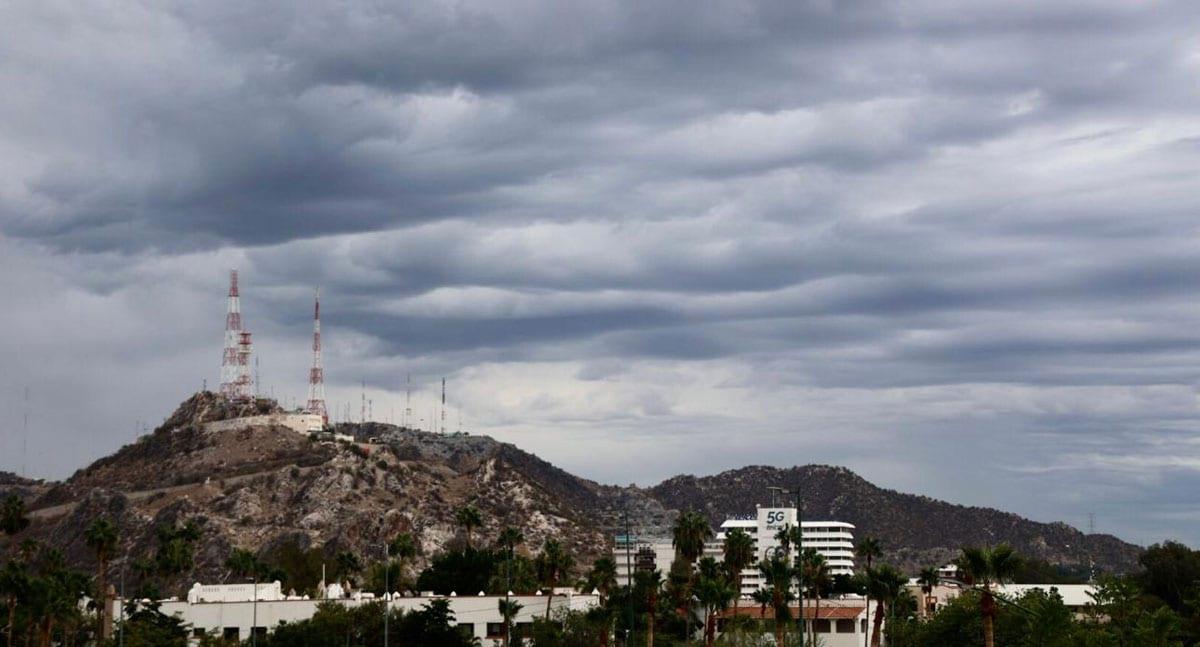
(914, 530)
(259, 487)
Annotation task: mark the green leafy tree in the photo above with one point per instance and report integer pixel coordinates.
(984, 567)
(461, 570)
(601, 577)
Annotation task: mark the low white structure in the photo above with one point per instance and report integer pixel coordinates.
(837, 623)
(479, 615)
(299, 422)
(266, 592)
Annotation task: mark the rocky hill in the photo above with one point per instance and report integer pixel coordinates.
(267, 487)
(914, 530)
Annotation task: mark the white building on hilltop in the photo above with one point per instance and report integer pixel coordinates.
(832, 539)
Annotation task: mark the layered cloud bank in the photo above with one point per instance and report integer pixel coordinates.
(952, 247)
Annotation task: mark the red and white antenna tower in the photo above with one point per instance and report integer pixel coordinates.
(235, 363)
(316, 374)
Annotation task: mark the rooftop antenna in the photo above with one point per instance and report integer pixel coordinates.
(316, 374)
(408, 402)
(371, 410)
(235, 363)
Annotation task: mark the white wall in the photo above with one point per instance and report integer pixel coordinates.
(214, 617)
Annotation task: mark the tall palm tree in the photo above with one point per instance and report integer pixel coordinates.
(763, 597)
(739, 553)
(868, 549)
(469, 518)
(816, 577)
(14, 587)
(928, 578)
(348, 565)
(553, 565)
(603, 578)
(689, 535)
(714, 590)
(885, 583)
(982, 567)
(508, 610)
(649, 583)
(509, 538)
(778, 573)
(101, 537)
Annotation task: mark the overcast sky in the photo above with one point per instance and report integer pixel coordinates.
(952, 246)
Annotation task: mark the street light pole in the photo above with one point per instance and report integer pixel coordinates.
(799, 549)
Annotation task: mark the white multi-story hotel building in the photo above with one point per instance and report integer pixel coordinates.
(832, 539)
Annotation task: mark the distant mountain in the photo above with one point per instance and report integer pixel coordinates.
(263, 487)
(914, 530)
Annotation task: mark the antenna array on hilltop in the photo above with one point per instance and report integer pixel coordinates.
(316, 374)
(235, 363)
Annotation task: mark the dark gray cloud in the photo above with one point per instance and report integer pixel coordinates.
(952, 247)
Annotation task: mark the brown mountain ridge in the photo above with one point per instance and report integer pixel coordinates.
(264, 486)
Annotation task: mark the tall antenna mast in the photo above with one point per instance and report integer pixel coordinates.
(408, 402)
(443, 426)
(316, 374)
(25, 438)
(362, 415)
(235, 363)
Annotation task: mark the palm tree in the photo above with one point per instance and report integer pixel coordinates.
(928, 579)
(403, 549)
(553, 565)
(739, 553)
(508, 610)
(509, 538)
(885, 584)
(816, 577)
(777, 572)
(868, 549)
(469, 518)
(13, 516)
(101, 537)
(348, 564)
(714, 591)
(602, 577)
(689, 535)
(649, 583)
(14, 587)
(983, 567)
(763, 597)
